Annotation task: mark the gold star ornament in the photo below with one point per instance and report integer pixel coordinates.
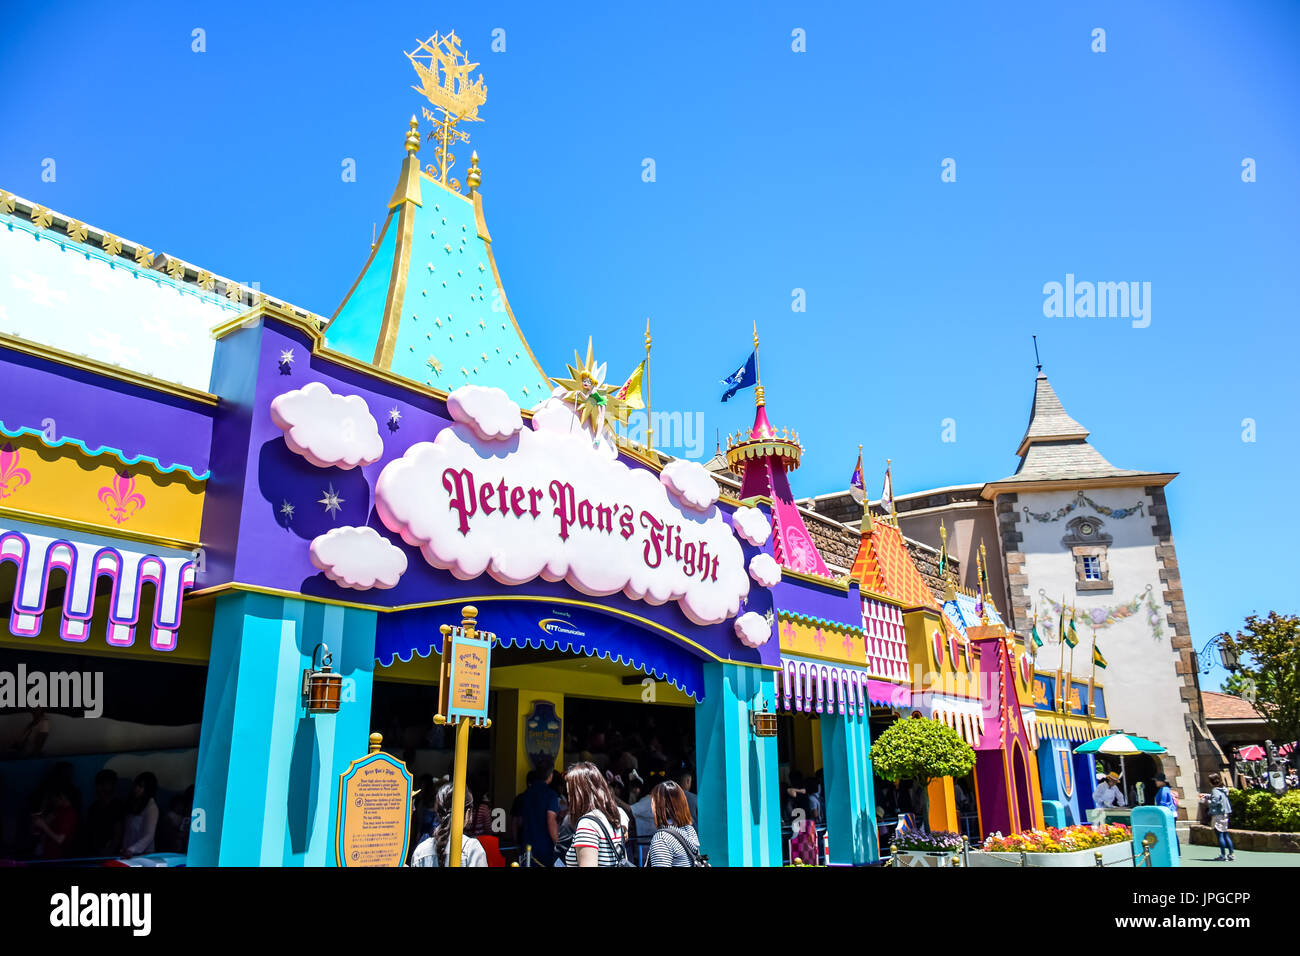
(593, 401)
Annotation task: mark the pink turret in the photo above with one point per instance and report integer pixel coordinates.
(761, 459)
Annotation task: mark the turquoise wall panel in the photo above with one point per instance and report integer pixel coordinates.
(268, 773)
(850, 791)
(739, 804)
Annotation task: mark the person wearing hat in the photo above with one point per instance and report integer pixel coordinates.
(1165, 796)
(1108, 793)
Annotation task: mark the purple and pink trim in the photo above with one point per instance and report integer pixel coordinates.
(84, 563)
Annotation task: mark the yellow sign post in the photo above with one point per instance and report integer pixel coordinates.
(463, 700)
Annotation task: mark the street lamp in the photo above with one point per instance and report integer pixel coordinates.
(1228, 656)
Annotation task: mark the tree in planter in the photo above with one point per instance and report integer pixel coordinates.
(1269, 652)
(921, 750)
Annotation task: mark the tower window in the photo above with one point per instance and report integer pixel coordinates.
(1086, 540)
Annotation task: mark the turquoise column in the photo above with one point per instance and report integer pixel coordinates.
(850, 789)
(739, 803)
(266, 787)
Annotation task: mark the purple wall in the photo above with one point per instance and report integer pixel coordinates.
(101, 411)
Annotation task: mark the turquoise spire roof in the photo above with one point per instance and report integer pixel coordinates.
(429, 304)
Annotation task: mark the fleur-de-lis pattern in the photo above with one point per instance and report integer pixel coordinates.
(121, 498)
(12, 477)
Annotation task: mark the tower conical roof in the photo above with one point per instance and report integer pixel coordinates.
(1048, 419)
(428, 304)
(1056, 448)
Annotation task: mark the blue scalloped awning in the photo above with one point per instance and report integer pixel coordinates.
(117, 453)
(572, 629)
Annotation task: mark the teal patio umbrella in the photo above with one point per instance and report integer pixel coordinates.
(1120, 745)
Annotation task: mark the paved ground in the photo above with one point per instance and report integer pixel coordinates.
(1206, 856)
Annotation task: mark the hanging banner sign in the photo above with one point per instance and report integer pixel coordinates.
(374, 813)
(467, 663)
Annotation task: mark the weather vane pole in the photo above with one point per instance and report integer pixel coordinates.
(443, 69)
(1037, 360)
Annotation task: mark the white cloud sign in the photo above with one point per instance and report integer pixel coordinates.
(545, 503)
(358, 558)
(328, 429)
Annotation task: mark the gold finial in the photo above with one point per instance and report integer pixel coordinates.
(647, 336)
(759, 397)
(376, 743)
(469, 615)
(475, 175)
(413, 136)
(949, 585)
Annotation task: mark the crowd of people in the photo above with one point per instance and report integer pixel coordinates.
(57, 825)
(583, 818)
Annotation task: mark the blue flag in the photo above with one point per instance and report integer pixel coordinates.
(742, 377)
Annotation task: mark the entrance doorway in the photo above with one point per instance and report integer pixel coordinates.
(546, 706)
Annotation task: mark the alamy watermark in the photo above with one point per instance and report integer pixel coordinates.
(1101, 300)
(53, 690)
(675, 433)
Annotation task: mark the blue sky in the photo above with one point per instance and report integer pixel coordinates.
(775, 170)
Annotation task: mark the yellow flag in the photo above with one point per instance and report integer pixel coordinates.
(630, 393)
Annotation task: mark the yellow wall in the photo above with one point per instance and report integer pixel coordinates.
(66, 484)
(823, 641)
(951, 677)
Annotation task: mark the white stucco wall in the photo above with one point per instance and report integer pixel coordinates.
(73, 296)
(1142, 688)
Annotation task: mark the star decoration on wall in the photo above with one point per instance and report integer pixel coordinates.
(332, 502)
(394, 416)
(286, 509)
(286, 357)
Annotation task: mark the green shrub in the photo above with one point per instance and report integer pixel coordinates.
(1260, 810)
(1289, 812)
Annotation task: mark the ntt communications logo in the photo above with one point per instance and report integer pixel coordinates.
(556, 627)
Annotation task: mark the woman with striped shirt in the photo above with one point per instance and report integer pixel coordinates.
(675, 842)
(599, 824)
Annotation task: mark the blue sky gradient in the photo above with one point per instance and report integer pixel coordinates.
(775, 170)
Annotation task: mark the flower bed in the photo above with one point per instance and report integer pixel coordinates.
(1059, 839)
(925, 848)
(1065, 846)
(925, 841)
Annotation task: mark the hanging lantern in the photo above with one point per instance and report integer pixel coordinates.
(320, 688)
(762, 721)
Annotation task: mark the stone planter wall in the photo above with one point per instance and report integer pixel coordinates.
(1113, 854)
(921, 858)
(1248, 839)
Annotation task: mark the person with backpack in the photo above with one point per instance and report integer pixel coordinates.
(435, 850)
(599, 824)
(675, 842)
(1220, 809)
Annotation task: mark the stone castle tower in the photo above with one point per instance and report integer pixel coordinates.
(1076, 530)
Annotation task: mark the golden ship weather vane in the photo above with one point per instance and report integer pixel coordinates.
(443, 69)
